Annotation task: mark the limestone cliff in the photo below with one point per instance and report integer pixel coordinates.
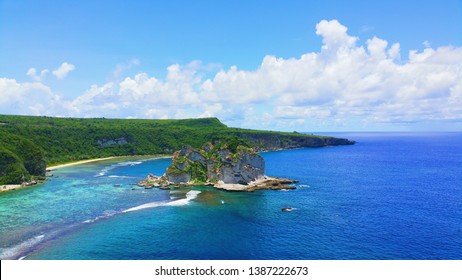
(265, 141)
(215, 163)
(235, 168)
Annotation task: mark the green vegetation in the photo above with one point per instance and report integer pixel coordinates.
(19, 159)
(27, 142)
(198, 172)
(230, 142)
(69, 139)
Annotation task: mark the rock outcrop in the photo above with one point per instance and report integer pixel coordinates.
(237, 168)
(262, 183)
(212, 164)
(154, 181)
(262, 141)
(112, 142)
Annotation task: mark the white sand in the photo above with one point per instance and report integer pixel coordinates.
(4, 188)
(54, 167)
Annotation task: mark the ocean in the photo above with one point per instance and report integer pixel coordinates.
(390, 196)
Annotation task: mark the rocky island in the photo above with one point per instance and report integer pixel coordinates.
(231, 166)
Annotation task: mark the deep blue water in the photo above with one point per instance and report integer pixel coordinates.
(390, 196)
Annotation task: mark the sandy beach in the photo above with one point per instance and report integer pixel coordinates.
(4, 188)
(54, 167)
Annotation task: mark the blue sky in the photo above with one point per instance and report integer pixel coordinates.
(279, 65)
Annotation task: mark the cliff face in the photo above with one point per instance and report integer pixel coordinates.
(226, 166)
(239, 168)
(213, 164)
(272, 141)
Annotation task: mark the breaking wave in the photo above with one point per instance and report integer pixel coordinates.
(106, 214)
(19, 251)
(179, 202)
(119, 176)
(22, 250)
(105, 170)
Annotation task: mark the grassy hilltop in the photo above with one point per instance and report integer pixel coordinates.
(28, 144)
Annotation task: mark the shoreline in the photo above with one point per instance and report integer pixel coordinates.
(263, 183)
(54, 167)
(11, 187)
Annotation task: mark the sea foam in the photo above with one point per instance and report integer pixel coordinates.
(179, 202)
(105, 170)
(16, 251)
(119, 176)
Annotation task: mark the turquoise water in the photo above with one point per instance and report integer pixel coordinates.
(390, 196)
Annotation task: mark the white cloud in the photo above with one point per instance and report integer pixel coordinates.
(342, 86)
(62, 71)
(394, 52)
(334, 36)
(27, 98)
(175, 96)
(32, 72)
(122, 67)
(347, 82)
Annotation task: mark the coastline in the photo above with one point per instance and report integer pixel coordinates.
(262, 183)
(11, 187)
(54, 167)
(5, 188)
